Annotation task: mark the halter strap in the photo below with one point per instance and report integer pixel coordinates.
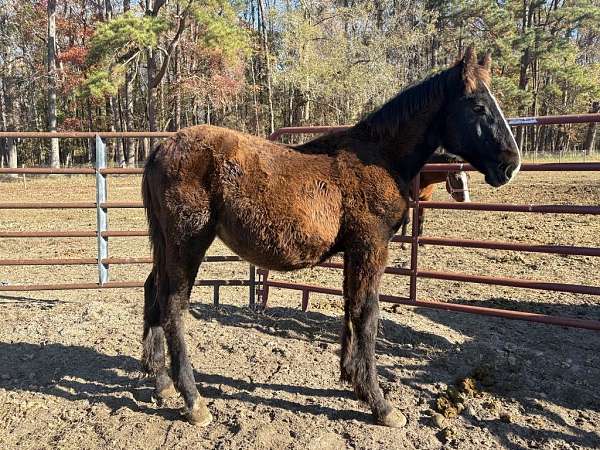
(451, 189)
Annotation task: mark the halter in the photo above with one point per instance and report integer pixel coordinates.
(452, 190)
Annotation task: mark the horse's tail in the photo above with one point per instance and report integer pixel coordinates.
(151, 185)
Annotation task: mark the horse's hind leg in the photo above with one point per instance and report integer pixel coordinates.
(362, 272)
(182, 263)
(153, 358)
(404, 221)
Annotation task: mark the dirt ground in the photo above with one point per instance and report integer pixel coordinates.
(69, 361)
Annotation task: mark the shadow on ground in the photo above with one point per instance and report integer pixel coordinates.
(529, 363)
(527, 360)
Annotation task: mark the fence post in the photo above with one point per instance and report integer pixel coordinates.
(414, 249)
(101, 213)
(252, 287)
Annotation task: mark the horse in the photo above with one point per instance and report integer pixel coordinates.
(284, 209)
(457, 185)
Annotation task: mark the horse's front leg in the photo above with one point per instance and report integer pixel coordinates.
(362, 273)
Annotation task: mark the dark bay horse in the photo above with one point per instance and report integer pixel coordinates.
(284, 209)
(457, 185)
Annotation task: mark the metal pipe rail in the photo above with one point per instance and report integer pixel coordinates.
(71, 234)
(493, 312)
(514, 121)
(526, 167)
(85, 261)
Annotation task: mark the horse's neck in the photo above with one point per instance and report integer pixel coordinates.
(404, 153)
(415, 144)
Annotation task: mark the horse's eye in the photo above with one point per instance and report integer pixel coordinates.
(479, 109)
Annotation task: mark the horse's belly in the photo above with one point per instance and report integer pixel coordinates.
(275, 246)
(280, 235)
(279, 210)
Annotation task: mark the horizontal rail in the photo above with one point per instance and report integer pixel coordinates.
(49, 170)
(48, 262)
(508, 207)
(494, 312)
(122, 205)
(506, 314)
(511, 282)
(432, 167)
(527, 167)
(554, 120)
(70, 205)
(70, 234)
(389, 270)
(51, 205)
(496, 245)
(109, 285)
(84, 134)
(514, 121)
(148, 260)
(122, 171)
(130, 233)
(47, 234)
(84, 261)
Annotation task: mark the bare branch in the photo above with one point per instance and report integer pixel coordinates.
(172, 45)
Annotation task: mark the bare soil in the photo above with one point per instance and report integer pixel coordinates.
(69, 361)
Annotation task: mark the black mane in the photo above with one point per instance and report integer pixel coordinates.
(386, 120)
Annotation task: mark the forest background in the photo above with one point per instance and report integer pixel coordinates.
(257, 65)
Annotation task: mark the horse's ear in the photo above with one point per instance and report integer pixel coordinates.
(486, 61)
(469, 68)
(469, 58)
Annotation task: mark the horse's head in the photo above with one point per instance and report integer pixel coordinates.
(457, 185)
(475, 127)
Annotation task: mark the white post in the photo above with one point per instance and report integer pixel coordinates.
(101, 213)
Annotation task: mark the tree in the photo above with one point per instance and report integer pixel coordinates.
(256, 65)
(52, 81)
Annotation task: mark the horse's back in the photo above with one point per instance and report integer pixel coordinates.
(271, 204)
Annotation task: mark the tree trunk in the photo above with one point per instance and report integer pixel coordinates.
(177, 109)
(265, 44)
(52, 81)
(11, 152)
(254, 99)
(590, 135)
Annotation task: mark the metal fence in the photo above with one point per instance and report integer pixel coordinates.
(102, 233)
(262, 284)
(414, 273)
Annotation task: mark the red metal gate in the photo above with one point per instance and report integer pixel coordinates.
(264, 284)
(414, 273)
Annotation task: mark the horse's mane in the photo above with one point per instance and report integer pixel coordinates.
(416, 98)
(386, 120)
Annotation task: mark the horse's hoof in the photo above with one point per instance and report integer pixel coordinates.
(168, 391)
(199, 415)
(393, 419)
